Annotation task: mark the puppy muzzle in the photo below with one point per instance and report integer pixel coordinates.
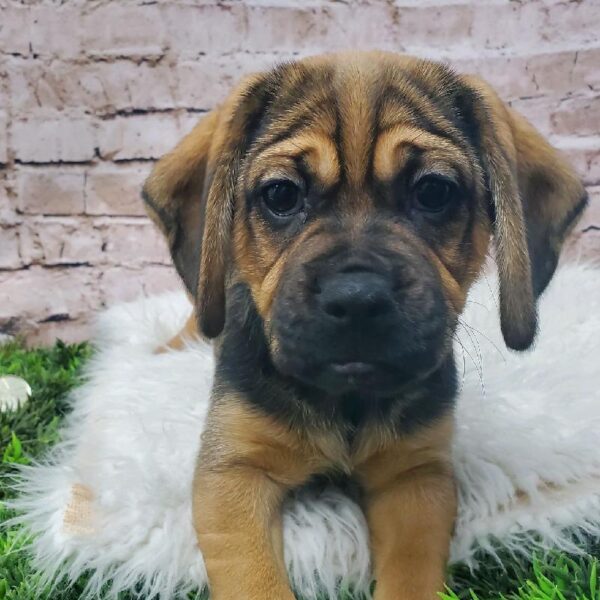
(357, 328)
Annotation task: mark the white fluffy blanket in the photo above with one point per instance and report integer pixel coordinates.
(114, 496)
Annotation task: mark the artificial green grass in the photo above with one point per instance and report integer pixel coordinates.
(27, 432)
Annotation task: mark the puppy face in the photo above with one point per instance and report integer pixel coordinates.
(360, 222)
(355, 195)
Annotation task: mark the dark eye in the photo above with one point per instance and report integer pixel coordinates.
(433, 194)
(283, 198)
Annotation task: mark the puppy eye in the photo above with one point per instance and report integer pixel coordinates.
(283, 198)
(433, 194)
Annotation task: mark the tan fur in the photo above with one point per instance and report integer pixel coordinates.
(318, 150)
(356, 110)
(391, 145)
(410, 502)
(264, 279)
(251, 461)
(188, 334)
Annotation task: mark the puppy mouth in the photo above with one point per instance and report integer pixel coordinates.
(343, 377)
(340, 376)
(355, 375)
(371, 373)
(353, 368)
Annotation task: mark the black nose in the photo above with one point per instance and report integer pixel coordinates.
(353, 297)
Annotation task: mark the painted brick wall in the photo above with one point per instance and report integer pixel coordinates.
(91, 92)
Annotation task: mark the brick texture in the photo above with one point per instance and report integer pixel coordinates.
(92, 92)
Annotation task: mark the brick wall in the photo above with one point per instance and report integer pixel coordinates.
(92, 91)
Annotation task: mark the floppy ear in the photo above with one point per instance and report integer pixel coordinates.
(190, 195)
(176, 195)
(175, 198)
(536, 197)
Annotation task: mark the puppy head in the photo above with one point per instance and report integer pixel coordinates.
(356, 195)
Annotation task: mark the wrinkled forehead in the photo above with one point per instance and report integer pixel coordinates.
(363, 118)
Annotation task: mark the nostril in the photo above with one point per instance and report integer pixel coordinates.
(356, 267)
(335, 309)
(378, 308)
(313, 286)
(402, 284)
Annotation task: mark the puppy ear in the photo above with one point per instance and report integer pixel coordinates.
(187, 198)
(175, 198)
(535, 197)
(190, 194)
(216, 244)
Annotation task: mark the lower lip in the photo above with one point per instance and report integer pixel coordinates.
(353, 369)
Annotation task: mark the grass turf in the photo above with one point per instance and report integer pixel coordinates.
(28, 431)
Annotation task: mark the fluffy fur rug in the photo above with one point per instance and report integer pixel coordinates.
(114, 496)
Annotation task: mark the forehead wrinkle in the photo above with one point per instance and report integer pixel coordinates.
(323, 161)
(312, 109)
(391, 144)
(315, 147)
(403, 95)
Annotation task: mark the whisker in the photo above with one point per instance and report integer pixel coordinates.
(467, 301)
(476, 346)
(489, 285)
(478, 367)
(477, 331)
(464, 361)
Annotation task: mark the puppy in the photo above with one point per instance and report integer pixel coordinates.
(328, 220)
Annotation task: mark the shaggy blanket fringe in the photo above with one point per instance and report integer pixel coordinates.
(114, 497)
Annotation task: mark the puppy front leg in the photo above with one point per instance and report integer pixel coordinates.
(411, 511)
(247, 465)
(410, 524)
(237, 518)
